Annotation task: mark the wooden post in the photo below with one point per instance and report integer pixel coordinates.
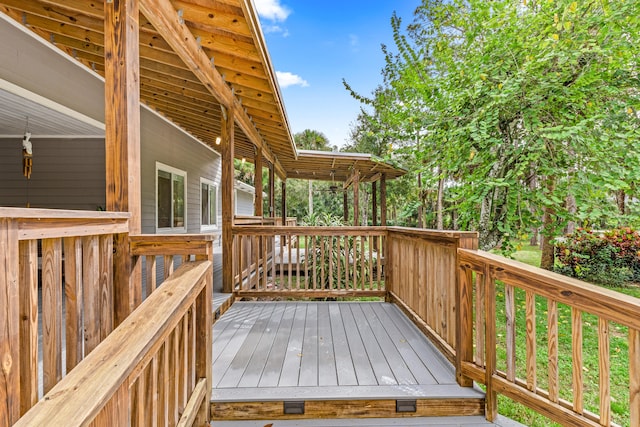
(374, 203)
(257, 182)
(284, 202)
(345, 206)
(122, 143)
(272, 192)
(227, 185)
(9, 323)
(383, 200)
(356, 198)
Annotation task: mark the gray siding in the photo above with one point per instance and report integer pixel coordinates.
(244, 203)
(67, 174)
(164, 143)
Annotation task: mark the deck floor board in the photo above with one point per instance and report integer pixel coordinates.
(319, 350)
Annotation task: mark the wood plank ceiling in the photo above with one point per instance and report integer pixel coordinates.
(228, 33)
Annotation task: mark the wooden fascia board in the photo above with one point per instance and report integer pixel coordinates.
(172, 29)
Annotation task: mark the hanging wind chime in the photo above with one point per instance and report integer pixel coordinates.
(27, 152)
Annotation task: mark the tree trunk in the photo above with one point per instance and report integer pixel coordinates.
(621, 201)
(548, 227)
(310, 198)
(533, 241)
(571, 210)
(439, 205)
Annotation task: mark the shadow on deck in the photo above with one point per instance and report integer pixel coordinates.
(275, 360)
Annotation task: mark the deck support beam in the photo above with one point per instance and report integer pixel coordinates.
(122, 143)
(227, 184)
(284, 202)
(356, 197)
(345, 206)
(257, 183)
(374, 203)
(383, 200)
(272, 193)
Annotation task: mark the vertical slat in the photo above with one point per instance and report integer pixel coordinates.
(339, 262)
(510, 306)
(192, 347)
(254, 261)
(168, 266)
(90, 293)
(152, 280)
(297, 262)
(576, 344)
(634, 377)
(362, 263)
(323, 261)
(282, 262)
(479, 314)
(106, 285)
(604, 367)
(464, 343)
(330, 250)
(379, 256)
(346, 262)
(289, 264)
(162, 385)
(137, 404)
(491, 398)
(28, 324)
(115, 412)
(73, 300)
(530, 301)
(172, 343)
(552, 346)
(152, 394)
(204, 342)
(265, 264)
(183, 386)
(370, 240)
(51, 312)
(240, 259)
(354, 267)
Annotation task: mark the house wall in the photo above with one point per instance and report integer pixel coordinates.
(244, 202)
(67, 174)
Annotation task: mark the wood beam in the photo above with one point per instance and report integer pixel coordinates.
(169, 25)
(374, 203)
(383, 200)
(228, 204)
(284, 202)
(122, 143)
(257, 182)
(272, 193)
(345, 207)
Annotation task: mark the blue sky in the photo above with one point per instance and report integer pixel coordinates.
(315, 44)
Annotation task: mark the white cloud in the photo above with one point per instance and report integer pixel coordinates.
(275, 29)
(272, 10)
(287, 79)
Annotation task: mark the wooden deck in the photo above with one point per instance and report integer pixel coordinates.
(329, 354)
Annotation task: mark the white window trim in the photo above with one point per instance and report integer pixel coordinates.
(173, 171)
(213, 227)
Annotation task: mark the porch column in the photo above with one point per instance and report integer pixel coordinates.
(284, 202)
(227, 136)
(356, 198)
(272, 192)
(383, 200)
(257, 183)
(374, 203)
(122, 143)
(345, 206)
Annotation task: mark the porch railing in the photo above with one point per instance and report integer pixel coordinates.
(309, 261)
(567, 308)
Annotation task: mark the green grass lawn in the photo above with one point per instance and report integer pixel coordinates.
(618, 353)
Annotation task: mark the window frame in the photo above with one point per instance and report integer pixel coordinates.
(211, 184)
(174, 172)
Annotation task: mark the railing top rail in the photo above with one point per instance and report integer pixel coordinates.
(440, 234)
(79, 396)
(304, 230)
(603, 302)
(33, 213)
(174, 244)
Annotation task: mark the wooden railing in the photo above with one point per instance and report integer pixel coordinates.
(566, 308)
(421, 277)
(154, 369)
(38, 248)
(309, 261)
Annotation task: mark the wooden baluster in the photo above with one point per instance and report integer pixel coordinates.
(510, 308)
(634, 377)
(323, 262)
(90, 293)
(479, 315)
(289, 264)
(137, 392)
(464, 338)
(338, 262)
(106, 285)
(265, 266)
(73, 300)
(491, 398)
(151, 392)
(552, 346)
(163, 385)
(282, 262)
(379, 255)
(355, 263)
(297, 240)
(51, 312)
(605, 372)
(254, 262)
(152, 281)
(168, 266)
(576, 344)
(362, 264)
(28, 290)
(174, 369)
(330, 249)
(370, 240)
(530, 302)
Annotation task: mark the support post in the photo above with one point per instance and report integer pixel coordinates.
(356, 198)
(383, 200)
(227, 184)
(284, 202)
(257, 183)
(272, 193)
(122, 143)
(345, 206)
(374, 203)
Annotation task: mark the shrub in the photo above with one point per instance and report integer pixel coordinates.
(610, 258)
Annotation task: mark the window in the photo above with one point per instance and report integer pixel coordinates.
(208, 204)
(170, 198)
